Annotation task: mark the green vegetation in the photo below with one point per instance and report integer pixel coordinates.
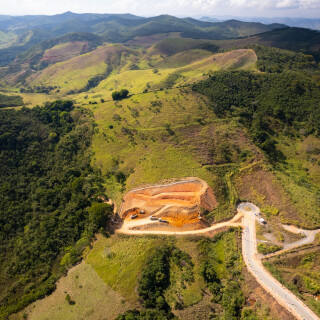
(299, 272)
(10, 101)
(172, 46)
(119, 259)
(290, 97)
(119, 95)
(91, 295)
(250, 129)
(266, 248)
(47, 204)
(274, 60)
(218, 265)
(221, 269)
(277, 109)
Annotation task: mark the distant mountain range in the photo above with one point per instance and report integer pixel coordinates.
(291, 22)
(20, 33)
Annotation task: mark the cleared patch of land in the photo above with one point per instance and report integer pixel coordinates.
(65, 51)
(178, 202)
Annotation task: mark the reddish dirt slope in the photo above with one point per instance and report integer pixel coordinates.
(177, 202)
(65, 52)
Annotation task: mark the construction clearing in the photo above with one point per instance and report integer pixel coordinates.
(177, 203)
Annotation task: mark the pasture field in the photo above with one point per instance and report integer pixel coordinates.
(90, 297)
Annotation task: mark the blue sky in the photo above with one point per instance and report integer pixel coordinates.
(263, 8)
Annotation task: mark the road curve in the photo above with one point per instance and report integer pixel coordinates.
(249, 251)
(247, 212)
(127, 227)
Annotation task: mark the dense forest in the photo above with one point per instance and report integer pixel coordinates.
(284, 97)
(49, 198)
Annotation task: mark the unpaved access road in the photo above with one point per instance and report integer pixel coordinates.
(246, 212)
(265, 279)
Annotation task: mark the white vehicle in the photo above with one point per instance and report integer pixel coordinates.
(133, 216)
(263, 221)
(153, 218)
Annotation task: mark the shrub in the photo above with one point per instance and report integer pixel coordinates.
(118, 95)
(265, 248)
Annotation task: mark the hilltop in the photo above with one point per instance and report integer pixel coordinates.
(18, 34)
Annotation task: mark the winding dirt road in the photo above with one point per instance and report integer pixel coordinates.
(246, 214)
(250, 255)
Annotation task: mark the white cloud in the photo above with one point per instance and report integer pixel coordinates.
(154, 7)
(270, 4)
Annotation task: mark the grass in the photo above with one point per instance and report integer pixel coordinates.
(64, 51)
(191, 293)
(183, 58)
(148, 153)
(300, 273)
(119, 259)
(91, 295)
(167, 134)
(300, 177)
(74, 73)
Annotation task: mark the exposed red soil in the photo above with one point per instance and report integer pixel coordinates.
(65, 52)
(178, 202)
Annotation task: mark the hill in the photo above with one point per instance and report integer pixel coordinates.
(294, 39)
(246, 121)
(41, 52)
(19, 34)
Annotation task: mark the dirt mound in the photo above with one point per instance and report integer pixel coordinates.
(178, 202)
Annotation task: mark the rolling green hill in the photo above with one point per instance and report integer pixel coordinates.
(20, 34)
(294, 39)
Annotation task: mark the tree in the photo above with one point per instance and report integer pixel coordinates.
(99, 214)
(118, 95)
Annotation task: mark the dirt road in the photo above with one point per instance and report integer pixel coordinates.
(310, 235)
(265, 279)
(246, 213)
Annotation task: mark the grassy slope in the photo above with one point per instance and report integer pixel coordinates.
(118, 261)
(136, 81)
(174, 142)
(7, 39)
(93, 299)
(64, 51)
(290, 193)
(300, 272)
(75, 73)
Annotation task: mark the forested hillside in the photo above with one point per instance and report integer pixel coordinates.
(288, 92)
(48, 205)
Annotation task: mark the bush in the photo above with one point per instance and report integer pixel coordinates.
(118, 95)
(99, 214)
(265, 248)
